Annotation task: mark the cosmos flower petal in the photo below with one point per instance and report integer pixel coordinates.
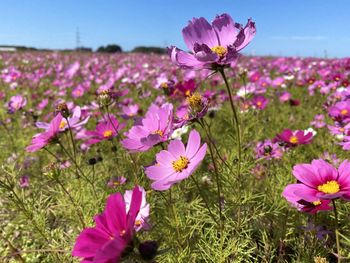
(305, 174)
(199, 31)
(177, 148)
(225, 29)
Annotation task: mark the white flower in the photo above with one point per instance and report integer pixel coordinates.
(179, 132)
(310, 130)
(143, 214)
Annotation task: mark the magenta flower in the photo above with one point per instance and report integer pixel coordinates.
(24, 181)
(156, 127)
(268, 150)
(74, 121)
(177, 163)
(260, 102)
(40, 140)
(294, 138)
(130, 111)
(16, 103)
(107, 129)
(213, 45)
(319, 182)
(113, 232)
(116, 181)
(318, 121)
(340, 111)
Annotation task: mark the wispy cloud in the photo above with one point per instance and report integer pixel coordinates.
(299, 38)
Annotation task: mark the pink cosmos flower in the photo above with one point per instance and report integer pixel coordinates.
(318, 183)
(294, 138)
(213, 45)
(16, 103)
(24, 181)
(177, 163)
(260, 102)
(130, 111)
(318, 121)
(78, 92)
(40, 140)
(75, 121)
(285, 96)
(268, 150)
(339, 129)
(106, 129)
(154, 128)
(345, 143)
(113, 231)
(116, 181)
(340, 111)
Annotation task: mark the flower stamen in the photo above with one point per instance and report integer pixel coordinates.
(331, 187)
(180, 164)
(219, 50)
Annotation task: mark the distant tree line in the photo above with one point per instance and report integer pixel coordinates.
(112, 48)
(143, 49)
(140, 49)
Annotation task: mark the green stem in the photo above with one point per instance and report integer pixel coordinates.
(130, 155)
(80, 215)
(72, 140)
(236, 121)
(204, 199)
(173, 209)
(218, 181)
(79, 169)
(238, 133)
(336, 231)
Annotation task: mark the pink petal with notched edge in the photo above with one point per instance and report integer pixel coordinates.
(225, 29)
(201, 32)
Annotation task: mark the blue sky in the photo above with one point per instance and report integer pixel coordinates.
(303, 28)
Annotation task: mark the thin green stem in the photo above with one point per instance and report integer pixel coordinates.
(80, 215)
(236, 121)
(336, 231)
(79, 169)
(130, 155)
(204, 199)
(218, 181)
(173, 209)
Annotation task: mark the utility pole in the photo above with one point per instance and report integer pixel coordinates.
(77, 38)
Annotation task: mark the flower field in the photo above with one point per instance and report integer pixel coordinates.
(200, 156)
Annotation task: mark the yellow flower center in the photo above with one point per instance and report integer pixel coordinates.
(293, 140)
(259, 103)
(219, 50)
(62, 124)
(331, 187)
(180, 164)
(344, 112)
(138, 223)
(107, 133)
(159, 132)
(341, 129)
(195, 101)
(164, 85)
(316, 203)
